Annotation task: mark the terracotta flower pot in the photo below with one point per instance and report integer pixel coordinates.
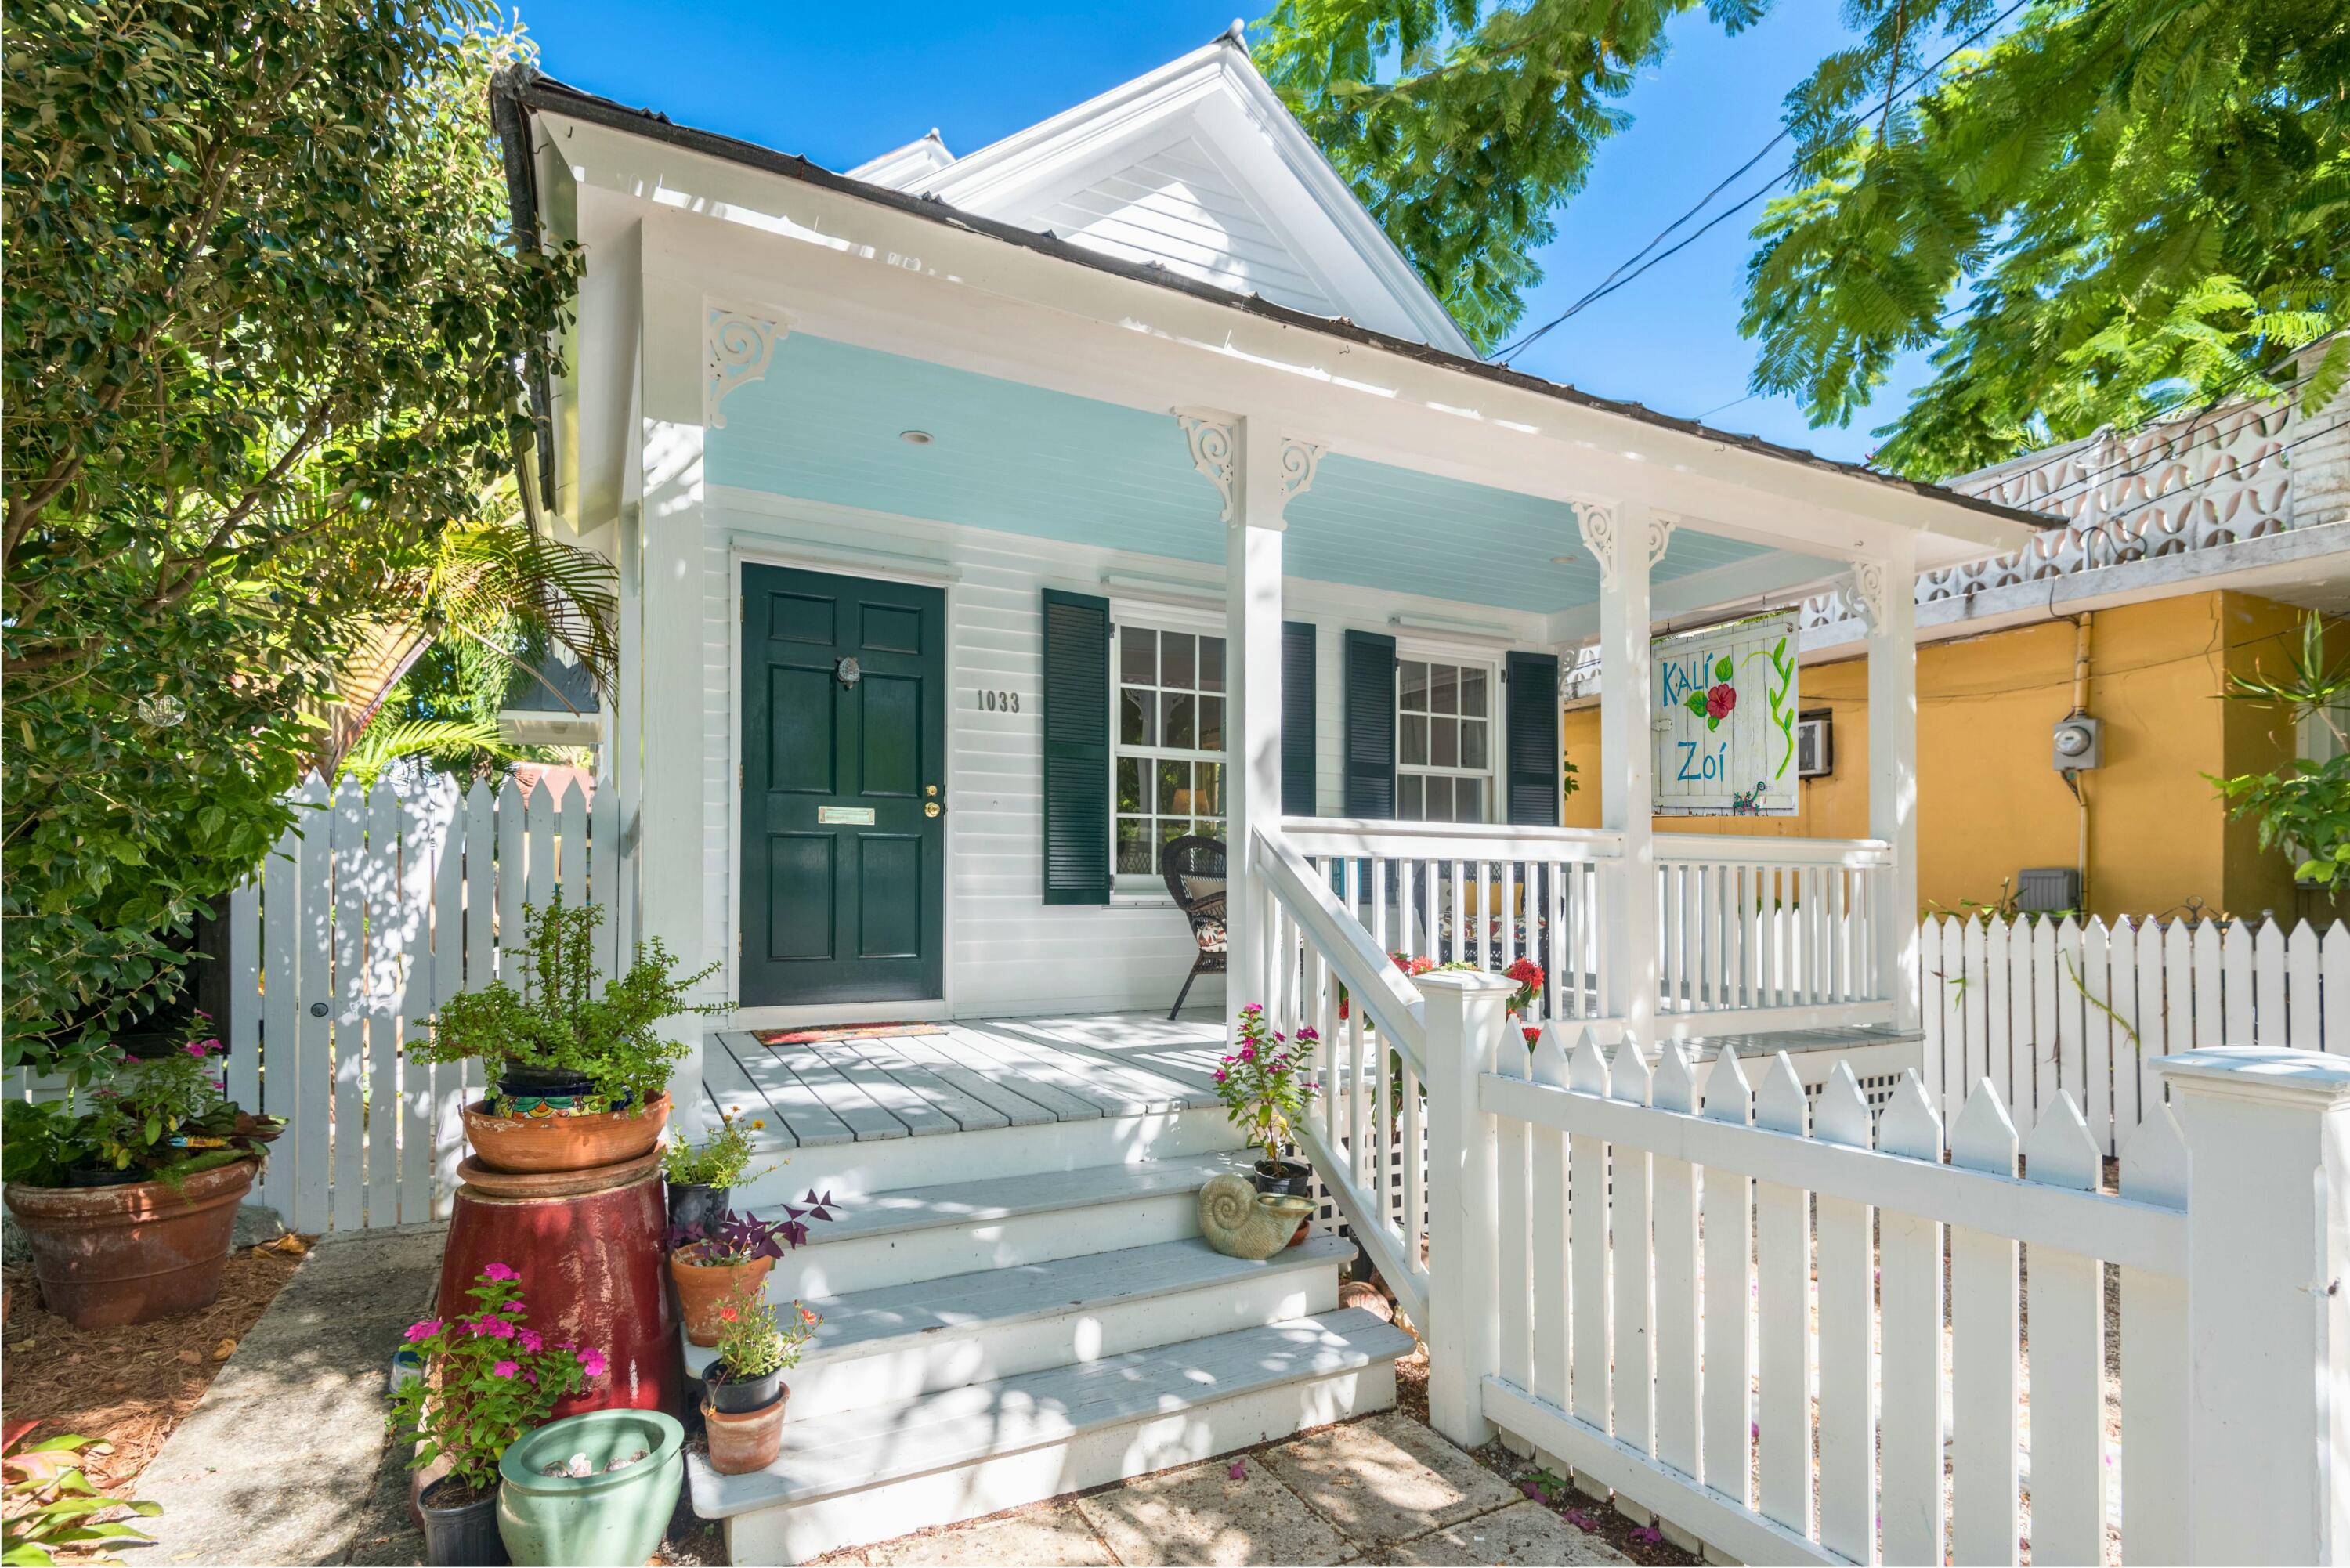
(701, 1287)
(563, 1143)
(747, 1442)
(108, 1256)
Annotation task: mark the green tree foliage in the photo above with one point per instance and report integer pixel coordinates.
(2303, 812)
(1463, 125)
(263, 344)
(2138, 203)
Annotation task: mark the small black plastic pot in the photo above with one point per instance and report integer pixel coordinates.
(466, 1535)
(1284, 1178)
(552, 1083)
(731, 1397)
(696, 1203)
(104, 1176)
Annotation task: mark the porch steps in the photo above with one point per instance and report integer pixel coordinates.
(904, 1464)
(900, 1341)
(915, 1233)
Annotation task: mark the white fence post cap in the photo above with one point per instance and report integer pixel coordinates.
(1473, 982)
(2260, 1071)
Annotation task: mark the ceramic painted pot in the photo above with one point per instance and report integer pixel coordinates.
(703, 1288)
(110, 1256)
(697, 1203)
(741, 1443)
(553, 1143)
(463, 1536)
(606, 1519)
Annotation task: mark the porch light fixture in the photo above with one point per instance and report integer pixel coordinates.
(915, 438)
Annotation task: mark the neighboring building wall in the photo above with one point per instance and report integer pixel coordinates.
(1990, 802)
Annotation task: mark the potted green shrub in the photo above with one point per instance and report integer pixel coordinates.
(488, 1378)
(743, 1406)
(714, 1261)
(701, 1180)
(1266, 1091)
(127, 1193)
(577, 1079)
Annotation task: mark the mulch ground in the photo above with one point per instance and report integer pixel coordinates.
(130, 1387)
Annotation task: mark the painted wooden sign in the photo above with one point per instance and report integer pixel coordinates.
(1725, 721)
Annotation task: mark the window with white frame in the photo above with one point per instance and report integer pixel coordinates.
(1168, 751)
(1444, 740)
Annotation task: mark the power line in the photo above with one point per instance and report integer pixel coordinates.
(1844, 126)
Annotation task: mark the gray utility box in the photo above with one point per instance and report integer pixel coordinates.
(2047, 889)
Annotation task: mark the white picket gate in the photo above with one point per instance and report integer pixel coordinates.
(1794, 1332)
(380, 906)
(2041, 1006)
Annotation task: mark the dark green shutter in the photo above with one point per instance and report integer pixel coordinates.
(1531, 753)
(1076, 748)
(1370, 725)
(1296, 719)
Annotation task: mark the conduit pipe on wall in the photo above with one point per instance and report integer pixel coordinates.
(2073, 775)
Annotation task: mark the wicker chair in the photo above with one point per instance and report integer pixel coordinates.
(1194, 869)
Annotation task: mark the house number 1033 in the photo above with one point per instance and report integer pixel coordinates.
(999, 702)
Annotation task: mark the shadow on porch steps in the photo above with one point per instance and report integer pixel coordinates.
(998, 1341)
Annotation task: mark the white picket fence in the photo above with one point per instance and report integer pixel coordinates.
(1794, 1332)
(380, 906)
(2041, 1006)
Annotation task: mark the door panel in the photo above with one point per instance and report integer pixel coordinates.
(843, 789)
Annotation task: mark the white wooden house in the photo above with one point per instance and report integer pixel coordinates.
(985, 520)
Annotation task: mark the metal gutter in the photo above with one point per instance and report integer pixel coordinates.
(512, 130)
(520, 89)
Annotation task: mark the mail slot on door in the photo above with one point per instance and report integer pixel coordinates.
(844, 815)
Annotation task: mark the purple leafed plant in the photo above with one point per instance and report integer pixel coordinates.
(735, 1238)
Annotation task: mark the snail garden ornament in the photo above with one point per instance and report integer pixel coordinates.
(1241, 1222)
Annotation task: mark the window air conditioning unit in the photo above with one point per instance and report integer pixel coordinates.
(1815, 743)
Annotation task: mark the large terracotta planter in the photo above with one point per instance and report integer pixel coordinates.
(532, 1144)
(108, 1256)
(701, 1287)
(747, 1442)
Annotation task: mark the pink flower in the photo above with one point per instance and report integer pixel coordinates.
(499, 1272)
(1248, 1053)
(1253, 1007)
(505, 1369)
(1239, 1470)
(418, 1332)
(514, 1306)
(493, 1327)
(591, 1362)
(1220, 1074)
(1720, 700)
(528, 1339)
(193, 1048)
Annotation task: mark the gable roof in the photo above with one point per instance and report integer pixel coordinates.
(1199, 167)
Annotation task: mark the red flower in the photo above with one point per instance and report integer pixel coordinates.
(1526, 971)
(728, 1314)
(1720, 700)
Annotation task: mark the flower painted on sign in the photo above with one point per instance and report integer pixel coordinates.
(1713, 701)
(1719, 701)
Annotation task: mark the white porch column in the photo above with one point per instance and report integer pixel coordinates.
(1627, 541)
(2267, 1302)
(1885, 592)
(1256, 470)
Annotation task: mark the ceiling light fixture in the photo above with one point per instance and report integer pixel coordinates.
(915, 438)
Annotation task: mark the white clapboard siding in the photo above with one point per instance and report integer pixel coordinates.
(2044, 1007)
(376, 908)
(1803, 1407)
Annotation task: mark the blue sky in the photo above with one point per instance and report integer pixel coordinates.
(826, 82)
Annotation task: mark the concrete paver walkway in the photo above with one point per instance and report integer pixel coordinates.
(283, 1460)
(1386, 1490)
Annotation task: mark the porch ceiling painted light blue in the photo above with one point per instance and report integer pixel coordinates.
(824, 423)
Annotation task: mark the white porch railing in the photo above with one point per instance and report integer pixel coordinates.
(1785, 932)
(1476, 893)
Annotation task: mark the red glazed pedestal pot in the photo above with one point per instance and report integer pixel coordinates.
(589, 1247)
(538, 1144)
(110, 1256)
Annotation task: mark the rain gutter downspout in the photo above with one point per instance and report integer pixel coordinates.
(512, 130)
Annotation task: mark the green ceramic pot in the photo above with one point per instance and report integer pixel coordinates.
(608, 1520)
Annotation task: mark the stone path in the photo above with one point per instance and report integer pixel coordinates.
(285, 1458)
(1385, 1489)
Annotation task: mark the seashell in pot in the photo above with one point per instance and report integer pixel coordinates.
(1240, 1222)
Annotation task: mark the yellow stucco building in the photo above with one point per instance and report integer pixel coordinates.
(1990, 800)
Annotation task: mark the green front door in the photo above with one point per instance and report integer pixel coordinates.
(843, 788)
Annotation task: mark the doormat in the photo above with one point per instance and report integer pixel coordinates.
(845, 1031)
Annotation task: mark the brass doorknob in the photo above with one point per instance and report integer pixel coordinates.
(932, 808)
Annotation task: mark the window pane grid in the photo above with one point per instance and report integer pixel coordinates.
(1169, 746)
(1444, 741)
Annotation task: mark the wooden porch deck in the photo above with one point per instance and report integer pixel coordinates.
(964, 1076)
